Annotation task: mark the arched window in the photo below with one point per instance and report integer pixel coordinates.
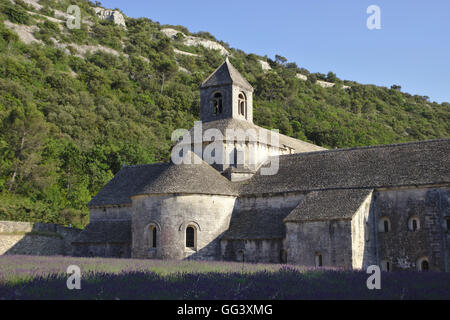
(318, 259)
(152, 236)
(217, 103)
(191, 237)
(384, 225)
(414, 223)
(386, 265)
(423, 264)
(447, 223)
(366, 230)
(241, 256)
(242, 105)
(283, 256)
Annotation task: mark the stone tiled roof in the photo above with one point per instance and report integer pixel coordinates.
(226, 74)
(329, 205)
(262, 223)
(235, 124)
(189, 178)
(407, 164)
(162, 178)
(106, 232)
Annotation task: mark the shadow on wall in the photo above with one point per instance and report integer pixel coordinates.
(256, 247)
(104, 250)
(108, 238)
(30, 238)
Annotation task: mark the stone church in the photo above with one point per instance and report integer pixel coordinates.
(387, 205)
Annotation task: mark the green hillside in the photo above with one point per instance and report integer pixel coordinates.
(72, 114)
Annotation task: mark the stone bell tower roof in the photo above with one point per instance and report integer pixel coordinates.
(226, 74)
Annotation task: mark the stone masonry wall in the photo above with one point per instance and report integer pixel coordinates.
(171, 214)
(332, 239)
(403, 247)
(36, 238)
(260, 250)
(363, 236)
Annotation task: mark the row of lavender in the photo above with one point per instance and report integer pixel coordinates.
(45, 278)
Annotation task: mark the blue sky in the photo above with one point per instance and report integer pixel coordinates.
(412, 48)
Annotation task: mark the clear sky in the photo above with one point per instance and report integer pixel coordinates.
(412, 48)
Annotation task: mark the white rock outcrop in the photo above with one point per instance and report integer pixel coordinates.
(184, 53)
(301, 76)
(33, 3)
(25, 33)
(325, 84)
(265, 65)
(114, 15)
(195, 41)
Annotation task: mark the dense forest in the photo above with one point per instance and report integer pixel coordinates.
(71, 118)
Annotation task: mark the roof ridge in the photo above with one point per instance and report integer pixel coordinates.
(226, 74)
(230, 68)
(145, 165)
(366, 147)
(214, 72)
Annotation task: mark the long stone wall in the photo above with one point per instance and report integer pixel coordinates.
(36, 238)
(403, 247)
(259, 250)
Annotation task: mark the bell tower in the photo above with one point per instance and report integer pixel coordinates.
(226, 94)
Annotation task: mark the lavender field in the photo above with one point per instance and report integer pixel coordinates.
(29, 277)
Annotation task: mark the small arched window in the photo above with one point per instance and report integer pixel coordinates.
(447, 223)
(318, 259)
(414, 223)
(423, 264)
(191, 237)
(366, 230)
(153, 237)
(283, 256)
(241, 256)
(384, 225)
(386, 265)
(217, 103)
(242, 104)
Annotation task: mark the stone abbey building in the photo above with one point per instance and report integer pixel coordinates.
(387, 205)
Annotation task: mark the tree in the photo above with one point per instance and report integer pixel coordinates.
(25, 131)
(331, 77)
(166, 69)
(280, 59)
(270, 86)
